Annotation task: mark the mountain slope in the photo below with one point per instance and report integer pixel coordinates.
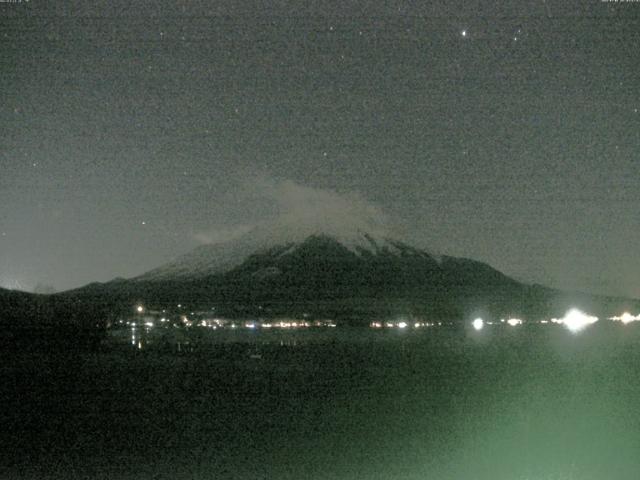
(220, 258)
(361, 272)
(360, 275)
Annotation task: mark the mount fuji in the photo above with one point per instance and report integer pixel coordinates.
(353, 272)
(220, 258)
(344, 274)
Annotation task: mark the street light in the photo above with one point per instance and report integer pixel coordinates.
(478, 323)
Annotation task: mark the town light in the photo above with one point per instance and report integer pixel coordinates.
(575, 320)
(478, 323)
(626, 317)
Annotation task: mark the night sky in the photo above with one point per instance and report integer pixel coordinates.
(132, 132)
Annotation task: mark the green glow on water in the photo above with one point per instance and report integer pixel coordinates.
(509, 403)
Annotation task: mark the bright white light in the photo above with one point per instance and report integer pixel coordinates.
(149, 324)
(402, 324)
(140, 309)
(514, 321)
(625, 318)
(575, 320)
(463, 33)
(478, 323)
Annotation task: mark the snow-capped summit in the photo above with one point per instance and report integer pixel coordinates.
(221, 257)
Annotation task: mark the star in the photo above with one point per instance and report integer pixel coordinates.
(463, 33)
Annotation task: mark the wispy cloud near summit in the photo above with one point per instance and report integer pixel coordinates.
(296, 211)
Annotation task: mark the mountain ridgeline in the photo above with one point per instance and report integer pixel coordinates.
(357, 277)
(350, 279)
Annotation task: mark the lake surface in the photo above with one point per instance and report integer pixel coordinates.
(530, 402)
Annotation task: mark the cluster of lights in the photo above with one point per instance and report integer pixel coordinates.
(287, 324)
(254, 324)
(402, 324)
(479, 323)
(214, 323)
(575, 320)
(206, 324)
(290, 324)
(625, 318)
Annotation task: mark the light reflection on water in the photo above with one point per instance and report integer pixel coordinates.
(500, 403)
(504, 403)
(183, 339)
